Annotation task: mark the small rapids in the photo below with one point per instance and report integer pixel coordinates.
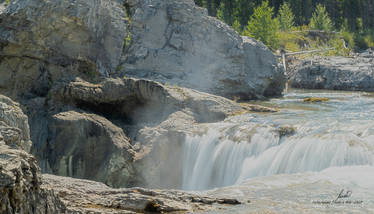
(337, 133)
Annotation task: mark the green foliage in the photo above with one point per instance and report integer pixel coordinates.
(262, 26)
(354, 19)
(7, 1)
(320, 19)
(340, 49)
(349, 39)
(286, 17)
(236, 26)
(220, 12)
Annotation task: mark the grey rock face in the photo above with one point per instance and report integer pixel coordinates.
(89, 146)
(40, 41)
(335, 73)
(83, 196)
(20, 190)
(14, 126)
(20, 177)
(176, 42)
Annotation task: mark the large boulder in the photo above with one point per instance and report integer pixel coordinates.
(40, 41)
(89, 146)
(176, 42)
(335, 73)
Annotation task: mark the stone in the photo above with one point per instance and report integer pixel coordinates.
(83, 145)
(335, 73)
(20, 190)
(14, 125)
(176, 42)
(83, 196)
(316, 99)
(42, 41)
(20, 176)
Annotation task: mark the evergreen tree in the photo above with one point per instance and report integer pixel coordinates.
(286, 17)
(320, 19)
(262, 26)
(236, 26)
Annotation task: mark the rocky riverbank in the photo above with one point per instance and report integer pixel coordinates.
(354, 73)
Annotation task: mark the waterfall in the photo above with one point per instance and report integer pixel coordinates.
(214, 160)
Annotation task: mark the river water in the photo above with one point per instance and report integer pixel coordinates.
(332, 148)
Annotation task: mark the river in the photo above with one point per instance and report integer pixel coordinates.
(331, 151)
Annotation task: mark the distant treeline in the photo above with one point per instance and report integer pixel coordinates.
(275, 22)
(354, 13)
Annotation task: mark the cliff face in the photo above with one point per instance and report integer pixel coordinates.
(176, 42)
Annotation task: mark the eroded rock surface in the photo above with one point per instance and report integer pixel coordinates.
(176, 42)
(14, 126)
(89, 146)
(82, 196)
(335, 73)
(20, 190)
(20, 179)
(41, 41)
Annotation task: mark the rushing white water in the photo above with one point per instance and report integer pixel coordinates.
(338, 133)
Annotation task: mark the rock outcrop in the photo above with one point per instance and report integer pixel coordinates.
(20, 190)
(23, 189)
(335, 73)
(14, 126)
(20, 177)
(176, 42)
(42, 41)
(89, 146)
(155, 117)
(83, 196)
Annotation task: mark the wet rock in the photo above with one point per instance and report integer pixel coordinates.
(176, 42)
(316, 99)
(335, 73)
(286, 131)
(228, 201)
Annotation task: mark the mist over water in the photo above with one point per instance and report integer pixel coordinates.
(329, 135)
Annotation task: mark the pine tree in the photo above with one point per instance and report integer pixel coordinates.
(236, 26)
(262, 26)
(286, 17)
(320, 19)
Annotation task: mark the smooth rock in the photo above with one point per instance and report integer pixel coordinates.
(176, 42)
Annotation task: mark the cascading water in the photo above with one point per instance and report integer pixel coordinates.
(338, 133)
